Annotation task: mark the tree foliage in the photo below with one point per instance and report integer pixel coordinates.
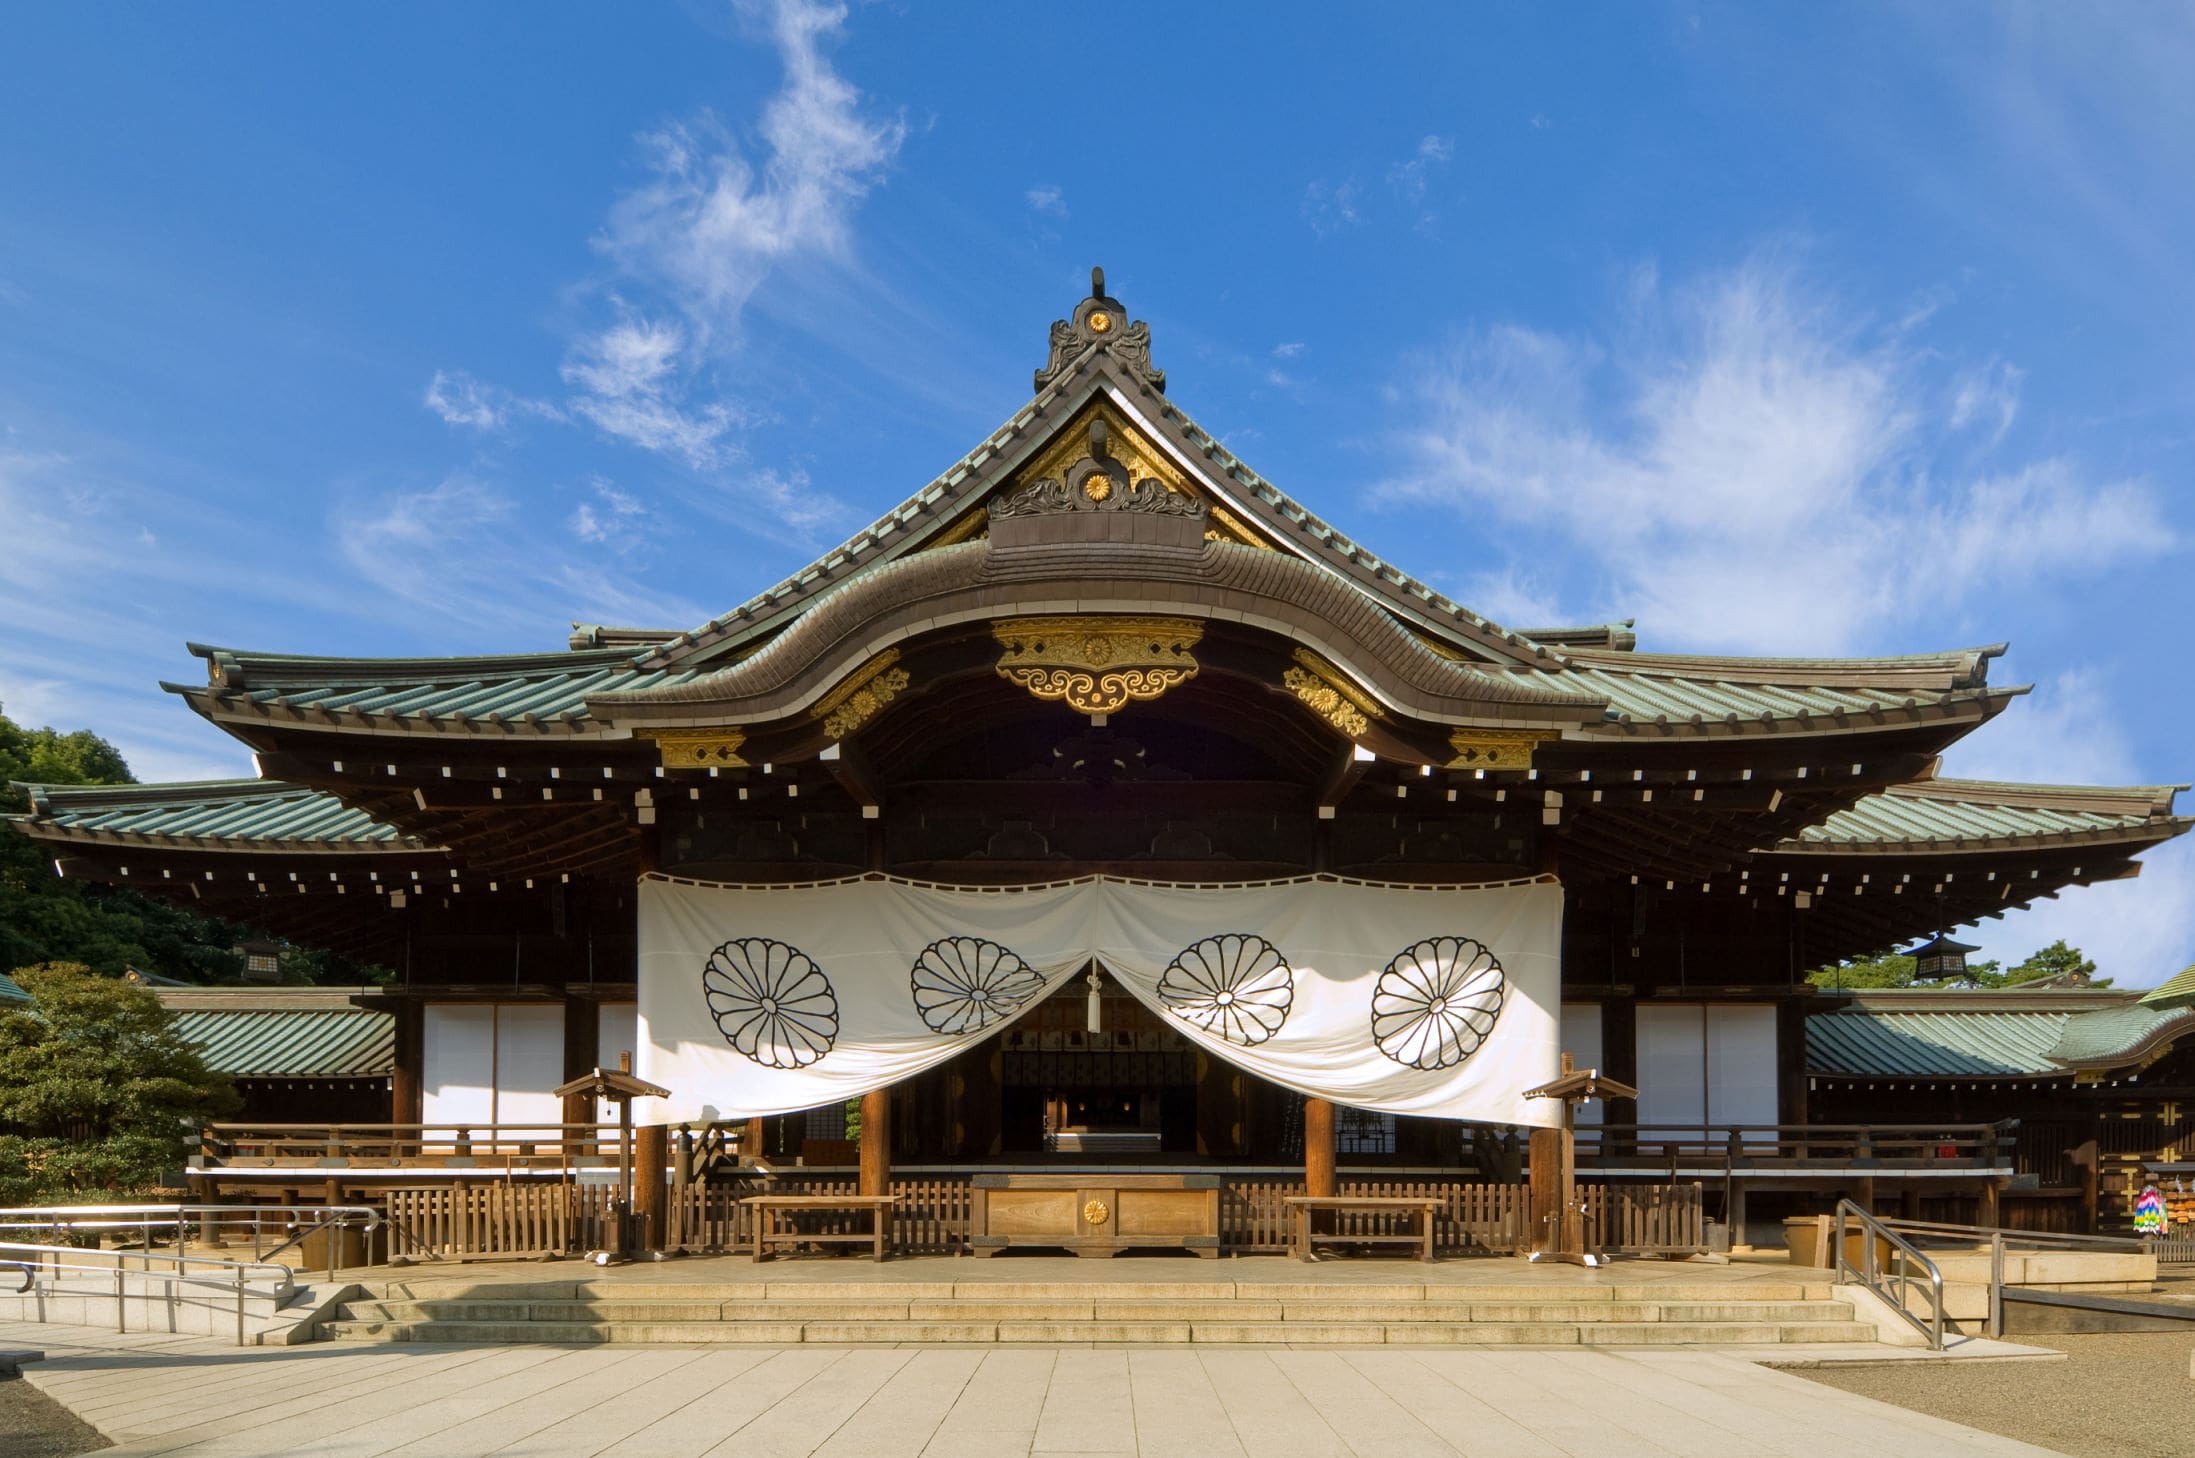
(44, 918)
(99, 1094)
(1895, 969)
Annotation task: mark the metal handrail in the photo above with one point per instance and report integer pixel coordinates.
(1910, 1267)
(30, 1261)
(297, 1222)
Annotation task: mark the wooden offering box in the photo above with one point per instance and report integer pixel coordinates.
(1095, 1214)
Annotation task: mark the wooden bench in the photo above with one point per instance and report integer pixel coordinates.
(769, 1232)
(1308, 1237)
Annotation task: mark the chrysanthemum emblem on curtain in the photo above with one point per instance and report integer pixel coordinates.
(1436, 1002)
(1237, 986)
(966, 984)
(771, 1002)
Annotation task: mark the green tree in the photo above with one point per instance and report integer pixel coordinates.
(99, 1095)
(44, 918)
(1884, 969)
(2055, 960)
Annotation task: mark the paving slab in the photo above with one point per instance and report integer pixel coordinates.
(190, 1397)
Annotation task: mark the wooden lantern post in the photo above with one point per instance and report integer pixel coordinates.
(1318, 1149)
(621, 1088)
(1557, 1219)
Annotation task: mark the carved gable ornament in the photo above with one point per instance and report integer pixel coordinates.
(1097, 665)
(1101, 321)
(1099, 471)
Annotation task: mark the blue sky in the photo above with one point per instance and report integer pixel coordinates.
(429, 329)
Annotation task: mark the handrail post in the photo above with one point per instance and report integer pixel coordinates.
(1996, 1283)
(240, 1306)
(121, 1322)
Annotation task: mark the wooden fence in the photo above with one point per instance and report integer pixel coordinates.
(459, 1221)
(1644, 1219)
(470, 1221)
(932, 1218)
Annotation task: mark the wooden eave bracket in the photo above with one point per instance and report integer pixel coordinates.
(1354, 763)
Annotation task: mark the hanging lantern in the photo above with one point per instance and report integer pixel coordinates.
(1097, 1001)
(1940, 959)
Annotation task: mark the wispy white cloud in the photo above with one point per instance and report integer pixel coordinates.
(1047, 201)
(611, 509)
(1330, 207)
(688, 248)
(462, 400)
(632, 382)
(464, 548)
(1290, 350)
(1987, 399)
(1720, 432)
(1409, 177)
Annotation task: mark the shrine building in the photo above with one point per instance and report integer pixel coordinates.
(1014, 816)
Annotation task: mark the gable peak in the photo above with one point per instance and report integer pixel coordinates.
(1101, 322)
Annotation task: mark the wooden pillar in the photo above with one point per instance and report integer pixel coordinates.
(1318, 1148)
(651, 1156)
(1991, 1217)
(1791, 1089)
(1620, 1061)
(405, 1101)
(752, 1139)
(876, 1142)
(582, 1052)
(1548, 1215)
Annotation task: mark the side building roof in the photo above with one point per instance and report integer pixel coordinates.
(2010, 1033)
(251, 1032)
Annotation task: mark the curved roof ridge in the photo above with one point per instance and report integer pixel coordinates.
(1962, 667)
(911, 593)
(2158, 799)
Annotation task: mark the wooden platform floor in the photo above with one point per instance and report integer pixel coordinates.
(190, 1398)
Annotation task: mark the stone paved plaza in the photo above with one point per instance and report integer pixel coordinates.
(188, 1396)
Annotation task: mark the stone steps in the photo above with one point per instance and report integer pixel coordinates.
(1331, 1313)
(1313, 1333)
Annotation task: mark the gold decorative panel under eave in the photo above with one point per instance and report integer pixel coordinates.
(714, 748)
(1328, 692)
(1496, 749)
(866, 690)
(1097, 665)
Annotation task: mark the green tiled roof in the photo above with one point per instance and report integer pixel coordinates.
(256, 813)
(2119, 1035)
(2177, 991)
(1975, 814)
(11, 990)
(262, 1042)
(2010, 1033)
(536, 689)
(1875, 1044)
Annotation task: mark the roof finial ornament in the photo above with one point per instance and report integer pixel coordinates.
(1099, 322)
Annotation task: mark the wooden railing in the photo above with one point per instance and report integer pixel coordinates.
(932, 1217)
(449, 1145)
(452, 1222)
(1725, 1147)
(452, 1144)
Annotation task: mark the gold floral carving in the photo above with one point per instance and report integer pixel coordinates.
(1329, 693)
(714, 748)
(1496, 749)
(1125, 442)
(866, 690)
(1094, 1212)
(1097, 665)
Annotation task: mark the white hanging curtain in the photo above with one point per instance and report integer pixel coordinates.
(1432, 1001)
